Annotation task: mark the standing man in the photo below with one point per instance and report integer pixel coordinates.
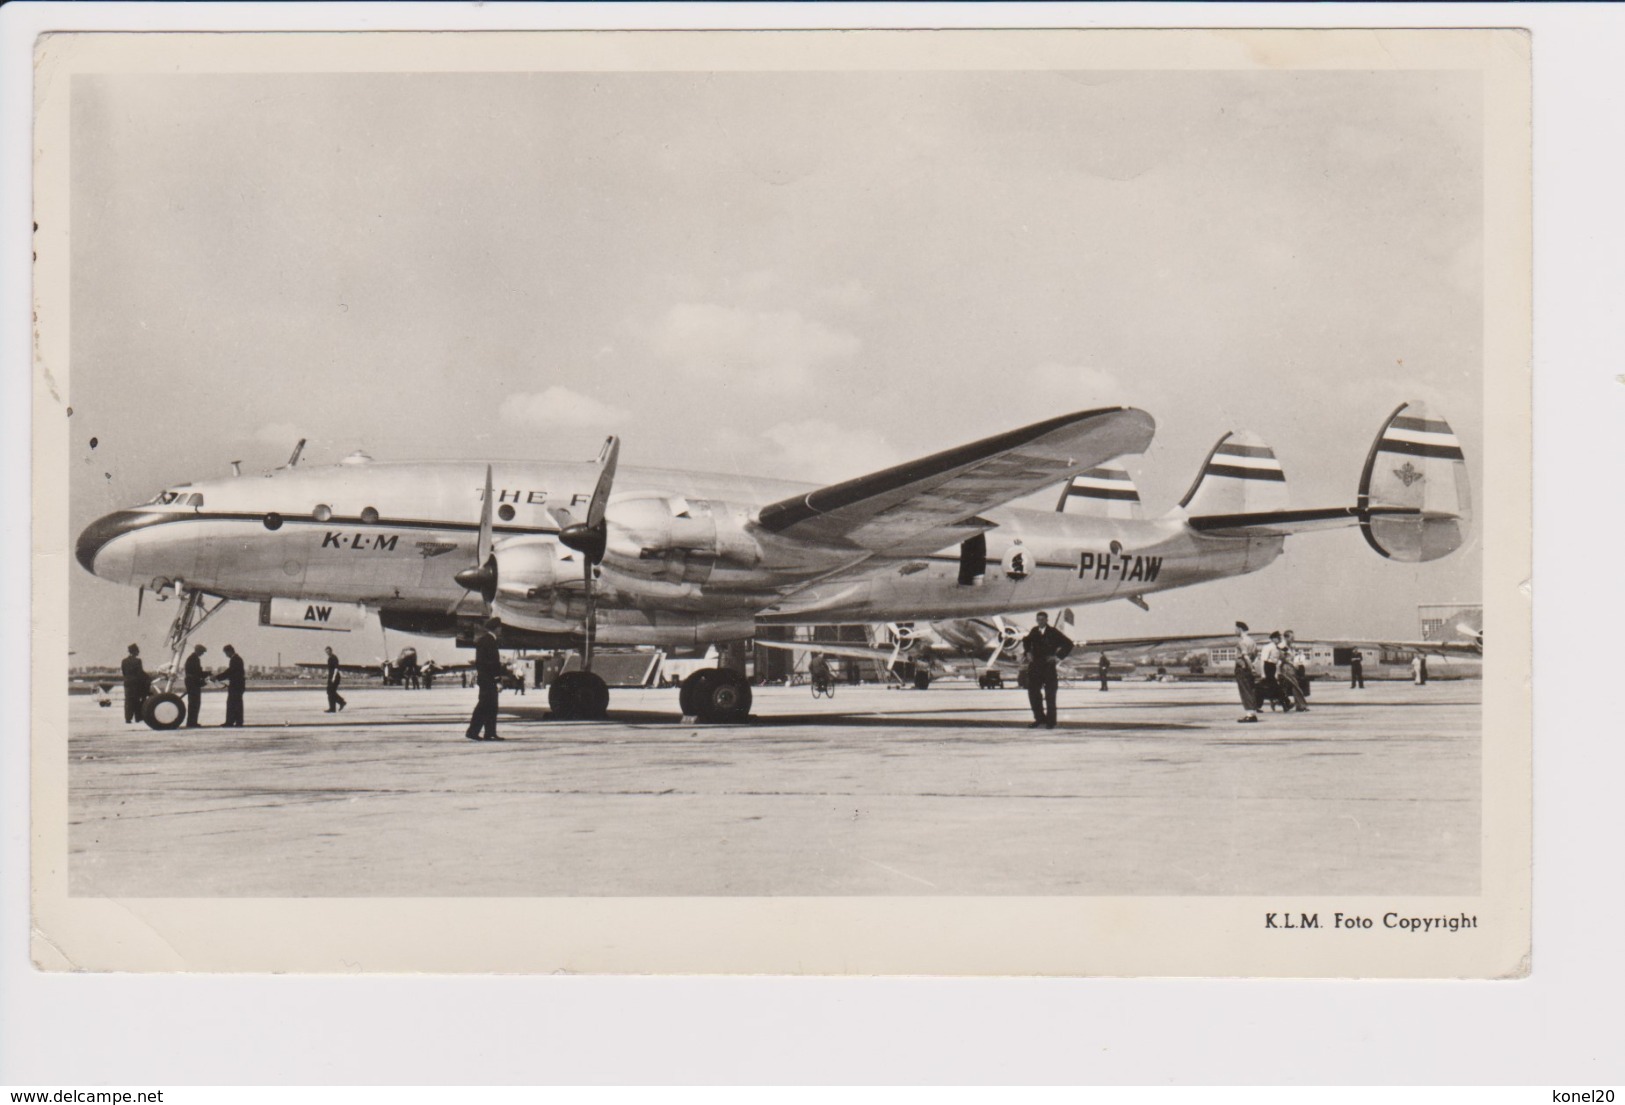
(1044, 647)
(488, 673)
(137, 684)
(1271, 657)
(1105, 669)
(1246, 685)
(1356, 670)
(1417, 670)
(335, 701)
(195, 678)
(234, 679)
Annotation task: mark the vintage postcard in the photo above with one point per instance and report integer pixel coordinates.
(930, 502)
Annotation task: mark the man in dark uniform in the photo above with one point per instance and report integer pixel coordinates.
(1105, 670)
(195, 678)
(137, 684)
(335, 701)
(1356, 670)
(1044, 647)
(488, 673)
(235, 680)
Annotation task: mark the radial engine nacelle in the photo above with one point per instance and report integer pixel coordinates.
(679, 540)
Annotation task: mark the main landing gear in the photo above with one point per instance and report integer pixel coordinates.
(715, 695)
(165, 709)
(578, 696)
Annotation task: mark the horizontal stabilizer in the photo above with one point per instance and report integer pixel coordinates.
(1285, 522)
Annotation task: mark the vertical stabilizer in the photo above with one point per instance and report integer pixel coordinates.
(1416, 463)
(1101, 493)
(1240, 476)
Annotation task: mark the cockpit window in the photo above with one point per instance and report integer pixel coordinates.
(164, 498)
(195, 500)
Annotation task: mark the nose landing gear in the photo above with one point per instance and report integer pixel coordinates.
(165, 709)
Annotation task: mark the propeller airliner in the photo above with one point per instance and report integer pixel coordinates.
(586, 554)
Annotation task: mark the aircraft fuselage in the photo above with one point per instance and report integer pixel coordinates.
(391, 536)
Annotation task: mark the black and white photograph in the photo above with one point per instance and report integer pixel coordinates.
(934, 502)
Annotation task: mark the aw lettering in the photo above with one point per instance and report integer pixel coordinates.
(1122, 567)
(380, 542)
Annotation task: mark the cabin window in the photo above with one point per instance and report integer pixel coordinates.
(505, 512)
(369, 515)
(322, 513)
(273, 520)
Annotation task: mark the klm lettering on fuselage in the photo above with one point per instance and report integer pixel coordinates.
(383, 542)
(1121, 567)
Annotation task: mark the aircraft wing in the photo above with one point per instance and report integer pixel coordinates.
(931, 503)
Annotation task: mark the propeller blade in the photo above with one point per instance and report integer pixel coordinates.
(139, 595)
(480, 576)
(483, 551)
(607, 459)
(998, 644)
(590, 537)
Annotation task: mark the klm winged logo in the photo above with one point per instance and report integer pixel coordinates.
(1409, 474)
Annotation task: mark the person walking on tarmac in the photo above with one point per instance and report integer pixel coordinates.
(488, 673)
(335, 701)
(137, 684)
(235, 682)
(195, 678)
(1105, 670)
(1246, 685)
(1044, 647)
(1356, 670)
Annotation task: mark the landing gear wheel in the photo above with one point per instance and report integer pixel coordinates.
(922, 680)
(578, 696)
(725, 697)
(695, 689)
(163, 711)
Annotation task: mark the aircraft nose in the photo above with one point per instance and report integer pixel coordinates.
(96, 549)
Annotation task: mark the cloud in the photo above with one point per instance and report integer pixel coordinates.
(820, 451)
(730, 345)
(560, 407)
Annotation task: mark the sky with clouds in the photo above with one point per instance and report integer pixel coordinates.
(809, 275)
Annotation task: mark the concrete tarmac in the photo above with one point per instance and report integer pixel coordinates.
(1148, 789)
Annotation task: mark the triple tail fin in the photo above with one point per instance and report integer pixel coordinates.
(1240, 476)
(1415, 466)
(1104, 492)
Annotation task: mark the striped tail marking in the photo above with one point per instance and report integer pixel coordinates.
(1102, 492)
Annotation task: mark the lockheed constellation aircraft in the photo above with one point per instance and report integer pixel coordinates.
(564, 554)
